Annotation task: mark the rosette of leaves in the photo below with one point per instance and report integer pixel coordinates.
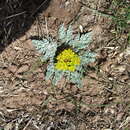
(67, 42)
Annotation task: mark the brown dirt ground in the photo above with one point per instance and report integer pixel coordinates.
(28, 102)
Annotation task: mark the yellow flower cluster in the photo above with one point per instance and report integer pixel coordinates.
(67, 60)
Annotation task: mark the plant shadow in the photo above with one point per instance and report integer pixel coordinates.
(16, 18)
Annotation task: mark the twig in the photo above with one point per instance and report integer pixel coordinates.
(27, 124)
(14, 15)
(39, 7)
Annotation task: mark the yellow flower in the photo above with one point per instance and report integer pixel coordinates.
(67, 60)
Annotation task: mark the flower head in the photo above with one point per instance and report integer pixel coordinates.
(67, 60)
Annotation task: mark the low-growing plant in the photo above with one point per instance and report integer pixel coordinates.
(123, 19)
(66, 57)
(121, 16)
(129, 37)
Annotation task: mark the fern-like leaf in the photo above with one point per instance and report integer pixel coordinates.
(62, 33)
(69, 34)
(46, 47)
(87, 57)
(57, 76)
(65, 35)
(76, 78)
(81, 42)
(50, 71)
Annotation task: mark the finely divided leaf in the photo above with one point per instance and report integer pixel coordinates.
(46, 47)
(62, 33)
(65, 35)
(81, 42)
(50, 71)
(57, 76)
(87, 57)
(69, 34)
(76, 78)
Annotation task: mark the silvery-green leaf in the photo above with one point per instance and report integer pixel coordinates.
(40, 44)
(73, 43)
(80, 69)
(57, 76)
(77, 38)
(69, 34)
(67, 74)
(50, 71)
(50, 51)
(62, 33)
(76, 78)
(47, 47)
(87, 57)
(65, 35)
(81, 42)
